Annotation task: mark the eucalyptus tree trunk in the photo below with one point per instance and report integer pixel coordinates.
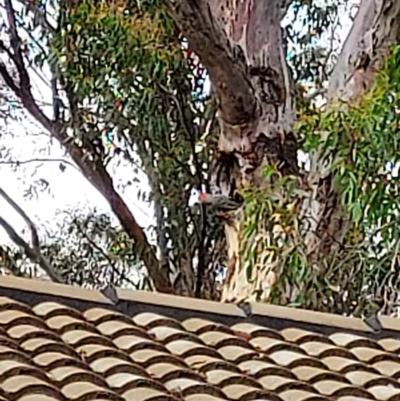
(242, 46)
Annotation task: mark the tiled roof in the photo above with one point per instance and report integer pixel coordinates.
(65, 343)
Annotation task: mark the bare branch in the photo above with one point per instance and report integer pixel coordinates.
(285, 4)
(21, 162)
(8, 79)
(28, 221)
(32, 254)
(6, 50)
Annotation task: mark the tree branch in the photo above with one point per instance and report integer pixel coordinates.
(28, 221)
(33, 253)
(375, 28)
(8, 79)
(201, 233)
(109, 261)
(202, 24)
(21, 162)
(39, 14)
(285, 4)
(16, 46)
(94, 171)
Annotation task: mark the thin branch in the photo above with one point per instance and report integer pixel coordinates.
(29, 4)
(6, 50)
(316, 93)
(42, 50)
(35, 70)
(8, 79)
(110, 262)
(28, 221)
(127, 155)
(285, 6)
(33, 39)
(58, 105)
(32, 254)
(21, 162)
(201, 235)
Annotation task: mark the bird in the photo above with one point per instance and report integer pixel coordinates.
(220, 202)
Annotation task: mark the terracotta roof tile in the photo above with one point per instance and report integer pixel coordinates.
(324, 349)
(390, 344)
(387, 368)
(256, 331)
(50, 351)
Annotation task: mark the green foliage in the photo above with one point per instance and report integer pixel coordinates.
(128, 92)
(364, 139)
(306, 23)
(127, 70)
(360, 141)
(126, 75)
(85, 250)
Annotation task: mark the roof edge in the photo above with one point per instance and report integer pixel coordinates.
(259, 310)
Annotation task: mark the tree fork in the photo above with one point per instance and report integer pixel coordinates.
(241, 45)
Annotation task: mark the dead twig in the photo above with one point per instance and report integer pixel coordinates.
(21, 162)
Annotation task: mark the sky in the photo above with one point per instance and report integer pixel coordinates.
(65, 190)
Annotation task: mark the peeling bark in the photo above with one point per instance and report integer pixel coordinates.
(240, 42)
(241, 45)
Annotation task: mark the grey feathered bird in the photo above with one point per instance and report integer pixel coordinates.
(220, 202)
